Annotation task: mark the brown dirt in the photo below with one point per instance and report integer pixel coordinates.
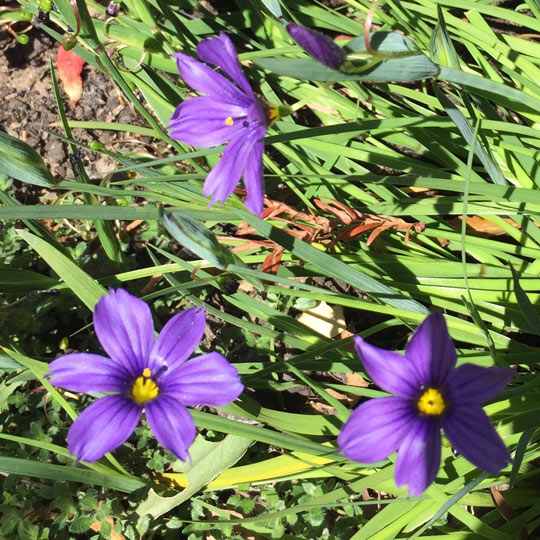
(29, 107)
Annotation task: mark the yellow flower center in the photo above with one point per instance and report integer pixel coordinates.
(229, 121)
(271, 112)
(144, 388)
(431, 402)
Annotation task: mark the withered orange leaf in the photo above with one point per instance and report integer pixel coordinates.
(69, 67)
(479, 226)
(271, 262)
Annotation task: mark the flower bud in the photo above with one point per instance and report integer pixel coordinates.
(64, 344)
(97, 146)
(112, 9)
(22, 39)
(68, 41)
(321, 47)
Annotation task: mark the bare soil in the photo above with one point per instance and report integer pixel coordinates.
(29, 110)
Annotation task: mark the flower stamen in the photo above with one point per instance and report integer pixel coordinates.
(229, 121)
(431, 402)
(144, 389)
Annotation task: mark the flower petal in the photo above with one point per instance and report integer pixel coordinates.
(318, 45)
(470, 384)
(206, 380)
(224, 177)
(431, 350)
(84, 372)
(125, 329)
(375, 429)
(419, 456)
(171, 424)
(253, 177)
(202, 121)
(389, 370)
(207, 81)
(256, 117)
(220, 51)
(102, 427)
(178, 339)
(470, 431)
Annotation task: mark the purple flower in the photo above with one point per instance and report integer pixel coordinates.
(321, 47)
(228, 112)
(430, 393)
(142, 373)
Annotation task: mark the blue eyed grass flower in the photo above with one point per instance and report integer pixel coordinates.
(429, 394)
(321, 47)
(228, 112)
(142, 373)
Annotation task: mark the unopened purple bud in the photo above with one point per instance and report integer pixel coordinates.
(112, 9)
(42, 16)
(321, 47)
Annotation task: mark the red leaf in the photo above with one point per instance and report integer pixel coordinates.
(69, 67)
(271, 263)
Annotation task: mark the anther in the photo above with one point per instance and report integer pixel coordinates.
(431, 402)
(144, 390)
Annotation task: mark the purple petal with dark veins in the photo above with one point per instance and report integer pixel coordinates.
(206, 380)
(221, 52)
(419, 456)
(102, 427)
(207, 81)
(124, 327)
(202, 121)
(171, 424)
(224, 177)
(318, 45)
(85, 372)
(470, 384)
(389, 370)
(375, 429)
(253, 177)
(469, 430)
(431, 350)
(178, 339)
(256, 115)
